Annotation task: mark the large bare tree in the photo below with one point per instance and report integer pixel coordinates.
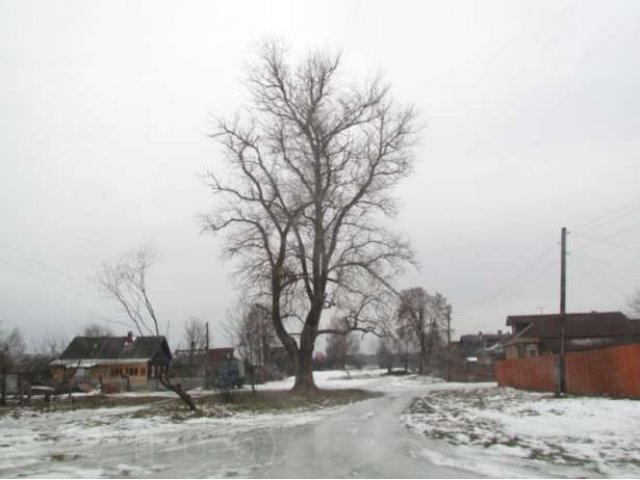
(313, 161)
(125, 281)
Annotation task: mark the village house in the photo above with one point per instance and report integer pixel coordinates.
(127, 361)
(194, 362)
(473, 357)
(29, 374)
(538, 335)
(484, 348)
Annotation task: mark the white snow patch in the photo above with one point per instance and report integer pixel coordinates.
(582, 436)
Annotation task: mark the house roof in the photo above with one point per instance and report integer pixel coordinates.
(482, 337)
(577, 325)
(199, 356)
(115, 348)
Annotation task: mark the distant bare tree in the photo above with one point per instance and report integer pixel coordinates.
(633, 304)
(11, 347)
(412, 314)
(312, 169)
(427, 318)
(340, 346)
(401, 340)
(125, 281)
(50, 347)
(195, 333)
(96, 330)
(251, 330)
(51, 344)
(384, 355)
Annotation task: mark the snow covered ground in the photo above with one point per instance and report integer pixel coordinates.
(367, 379)
(456, 430)
(579, 436)
(84, 442)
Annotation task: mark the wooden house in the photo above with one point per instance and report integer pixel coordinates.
(538, 335)
(131, 362)
(200, 362)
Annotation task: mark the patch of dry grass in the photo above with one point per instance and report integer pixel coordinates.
(278, 400)
(261, 401)
(212, 405)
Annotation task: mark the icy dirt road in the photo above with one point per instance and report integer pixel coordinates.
(363, 439)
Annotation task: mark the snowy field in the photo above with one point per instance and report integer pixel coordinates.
(581, 436)
(422, 427)
(367, 379)
(61, 443)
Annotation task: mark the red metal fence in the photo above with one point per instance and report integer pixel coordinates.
(611, 371)
(535, 373)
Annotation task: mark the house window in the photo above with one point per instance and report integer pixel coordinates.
(532, 351)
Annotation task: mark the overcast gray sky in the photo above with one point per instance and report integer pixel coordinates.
(532, 113)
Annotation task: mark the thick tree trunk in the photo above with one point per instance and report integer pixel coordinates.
(304, 368)
(184, 396)
(304, 372)
(287, 340)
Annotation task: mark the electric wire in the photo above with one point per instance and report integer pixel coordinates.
(607, 218)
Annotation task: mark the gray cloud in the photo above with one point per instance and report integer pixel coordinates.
(531, 110)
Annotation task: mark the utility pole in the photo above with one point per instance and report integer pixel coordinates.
(207, 369)
(449, 343)
(563, 293)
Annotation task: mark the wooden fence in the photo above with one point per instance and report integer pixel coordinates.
(613, 371)
(471, 372)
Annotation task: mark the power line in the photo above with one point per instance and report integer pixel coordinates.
(38, 276)
(619, 232)
(33, 259)
(608, 217)
(594, 240)
(606, 238)
(597, 276)
(513, 292)
(515, 286)
(606, 264)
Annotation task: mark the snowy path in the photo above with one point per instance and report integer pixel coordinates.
(364, 439)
